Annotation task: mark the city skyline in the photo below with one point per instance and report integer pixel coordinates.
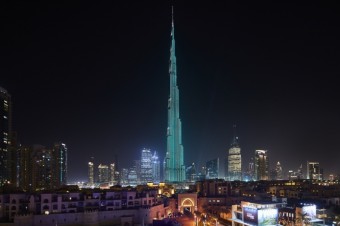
(96, 78)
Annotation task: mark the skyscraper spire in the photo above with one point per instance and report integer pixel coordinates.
(174, 160)
(234, 142)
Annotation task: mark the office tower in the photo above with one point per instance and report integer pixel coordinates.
(191, 173)
(146, 166)
(156, 167)
(250, 171)
(234, 160)
(124, 176)
(25, 168)
(117, 177)
(59, 165)
(90, 166)
(41, 168)
(5, 137)
(212, 168)
(300, 172)
(313, 171)
(137, 166)
(278, 171)
(103, 173)
(261, 165)
(174, 161)
(132, 177)
(112, 174)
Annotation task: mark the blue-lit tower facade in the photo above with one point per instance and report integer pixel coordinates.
(174, 169)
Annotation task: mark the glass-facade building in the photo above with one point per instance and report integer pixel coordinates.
(156, 167)
(174, 169)
(5, 137)
(212, 168)
(103, 173)
(59, 165)
(146, 172)
(234, 161)
(261, 165)
(314, 171)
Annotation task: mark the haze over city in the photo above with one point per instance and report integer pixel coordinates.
(96, 78)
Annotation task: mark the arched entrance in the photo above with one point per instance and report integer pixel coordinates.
(187, 203)
(187, 206)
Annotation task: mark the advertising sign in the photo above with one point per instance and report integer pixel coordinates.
(309, 211)
(250, 215)
(267, 217)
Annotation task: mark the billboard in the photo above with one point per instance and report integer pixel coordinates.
(267, 216)
(250, 215)
(309, 211)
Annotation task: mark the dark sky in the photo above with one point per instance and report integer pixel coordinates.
(95, 76)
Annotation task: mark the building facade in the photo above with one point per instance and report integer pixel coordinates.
(212, 168)
(146, 173)
(156, 168)
(59, 165)
(90, 168)
(174, 160)
(103, 173)
(6, 156)
(313, 171)
(261, 165)
(234, 161)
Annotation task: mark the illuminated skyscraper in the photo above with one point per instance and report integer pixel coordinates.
(261, 165)
(146, 166)
(59, 165)
(91, 172)
(25, 167)
(5, 136)
(278, 171)
(103, 173)
(234, 160)
(41, 167)
(174, 160)
(212, 168)
(156, 167)
(313, 171)
(112, 174)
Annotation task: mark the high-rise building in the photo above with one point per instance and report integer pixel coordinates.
(124, 176)
(112, 174)
(261, 165)
(25, 168)
(234, 160)
(59, 165)
(132, 176)
(300, 172)
(278, 171)
(41, 167)
(314, 171)
(146, 166)
(191, 174)
(5, 137)
(137, 166)
(103, 173)
(156, 167)
(90, 166)
(174, 160)
(249, 174)
(212, 168)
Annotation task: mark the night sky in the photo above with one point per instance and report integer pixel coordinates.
(95, 76)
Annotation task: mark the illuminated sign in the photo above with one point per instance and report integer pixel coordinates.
(309, 211)
(250, 215)
(267, 216)
(260, 216)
